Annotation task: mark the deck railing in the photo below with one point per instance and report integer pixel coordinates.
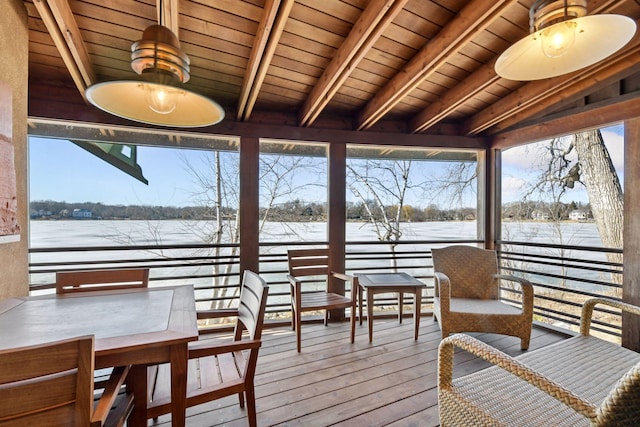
(563, 276)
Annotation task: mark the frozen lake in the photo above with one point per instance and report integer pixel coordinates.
(110, 233)
(79, 233)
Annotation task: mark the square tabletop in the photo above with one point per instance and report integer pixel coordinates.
(120, 320)
(387, 280)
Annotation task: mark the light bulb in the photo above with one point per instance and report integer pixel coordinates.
(160, 98)
(557, 39)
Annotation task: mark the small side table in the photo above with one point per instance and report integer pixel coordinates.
(377, 283)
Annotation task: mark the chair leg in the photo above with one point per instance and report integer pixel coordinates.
(298, 327)
(360, 302)
(251, 407)
(241, 399)
(353, 325)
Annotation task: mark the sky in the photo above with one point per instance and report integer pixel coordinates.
(62, 171)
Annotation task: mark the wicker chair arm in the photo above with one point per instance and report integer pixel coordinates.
(588, 306)
(616, 407)
(527, 291)
(508, 363)
(524, 283)
(443, 289)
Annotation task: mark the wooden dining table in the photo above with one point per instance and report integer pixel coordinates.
(137, 327)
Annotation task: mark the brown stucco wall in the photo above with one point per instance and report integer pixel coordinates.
(14, 47)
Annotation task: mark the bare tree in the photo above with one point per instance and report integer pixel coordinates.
(584, 159)
(455, 184)
(216, 185)
(285, 179)
(596, 171)
(385, 183)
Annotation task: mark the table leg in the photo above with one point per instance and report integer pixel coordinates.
(178, 384)
(400, 305)
(370, 294)
(360, 297)
(137, 381)
(417, 300)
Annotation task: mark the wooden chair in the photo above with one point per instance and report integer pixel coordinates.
(101, 280)
(52, 384)
(220, 369)
(311, 263)
(467, 295)
(68, 282)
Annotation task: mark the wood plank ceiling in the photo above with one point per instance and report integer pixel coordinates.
(410, 66)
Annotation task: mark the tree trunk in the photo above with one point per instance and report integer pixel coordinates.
(604, 190)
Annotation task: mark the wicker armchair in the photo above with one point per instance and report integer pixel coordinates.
(467, 295)
(579, 381)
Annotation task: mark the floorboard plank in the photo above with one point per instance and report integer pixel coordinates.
(389, 382)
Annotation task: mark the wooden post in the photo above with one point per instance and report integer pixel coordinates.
(336, 191)
(493, 221)
(631, 237)
(249, 193)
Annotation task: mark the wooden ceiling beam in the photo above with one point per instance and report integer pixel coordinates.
(477, 82)
(63, 29)
(365, 32)
(602, 77)
(626, 108)
(476, 16)
(595, 7)
(538, 95)
(276, 13)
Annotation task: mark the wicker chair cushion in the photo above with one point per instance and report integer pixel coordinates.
(501, 398)
(485, 307)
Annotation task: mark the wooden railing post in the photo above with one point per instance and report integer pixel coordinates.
(249, 192)
(631, 245)
(336, 191)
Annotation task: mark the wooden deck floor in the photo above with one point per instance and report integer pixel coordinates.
(391, 382)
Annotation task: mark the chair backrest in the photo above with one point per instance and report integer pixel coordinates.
(253, 302)
(308, 262)
(470, 270)
(48, 384)
(101, 280)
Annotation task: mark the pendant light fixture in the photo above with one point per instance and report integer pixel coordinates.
(158, 98)
(563, 39)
